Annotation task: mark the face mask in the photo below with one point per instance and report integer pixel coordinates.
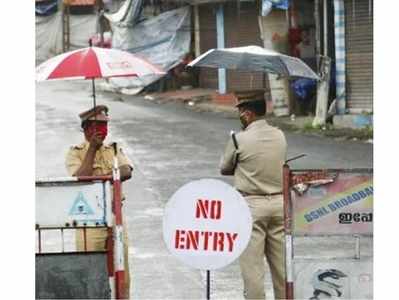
(243, 120)
(101, 128)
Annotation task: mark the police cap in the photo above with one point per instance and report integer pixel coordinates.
(98, 113)
(247, 97)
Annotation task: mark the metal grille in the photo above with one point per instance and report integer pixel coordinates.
(359, 54)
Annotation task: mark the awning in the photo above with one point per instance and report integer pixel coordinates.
(79, 2)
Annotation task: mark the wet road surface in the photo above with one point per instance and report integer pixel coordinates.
(169, 146)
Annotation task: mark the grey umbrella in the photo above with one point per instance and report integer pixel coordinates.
(254, 58)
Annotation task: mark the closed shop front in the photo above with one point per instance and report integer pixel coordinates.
(241, 28)
(208, 77)
(359, 55)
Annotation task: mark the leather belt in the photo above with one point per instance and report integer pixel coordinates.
(271, 194)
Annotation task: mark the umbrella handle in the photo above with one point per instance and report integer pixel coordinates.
(94, 92)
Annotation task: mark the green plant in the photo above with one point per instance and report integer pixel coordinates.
(308, 126)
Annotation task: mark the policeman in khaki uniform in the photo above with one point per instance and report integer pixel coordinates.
(255, 156)
(94, 158)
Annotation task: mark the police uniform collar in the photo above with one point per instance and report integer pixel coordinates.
(81, 145)
(256, 123)
(85, 144)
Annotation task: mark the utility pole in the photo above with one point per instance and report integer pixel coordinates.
(197, 31)
(63, 6)
(318, 32)
(325, 27)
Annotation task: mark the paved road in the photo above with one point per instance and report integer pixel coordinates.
(169, 146)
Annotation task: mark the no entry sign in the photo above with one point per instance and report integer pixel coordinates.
(207, 224)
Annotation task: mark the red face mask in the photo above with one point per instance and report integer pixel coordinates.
(99, 127)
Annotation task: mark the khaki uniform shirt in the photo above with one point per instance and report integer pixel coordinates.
(103, 160)
(260, 158)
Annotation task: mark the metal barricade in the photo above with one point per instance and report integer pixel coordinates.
(328, 218)
(63, 206)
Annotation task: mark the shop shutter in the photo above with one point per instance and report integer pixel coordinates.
(241, 29)
(359, 55)
(208, 77)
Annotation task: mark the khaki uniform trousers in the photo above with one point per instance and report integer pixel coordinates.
(267, 240)
(96, 240)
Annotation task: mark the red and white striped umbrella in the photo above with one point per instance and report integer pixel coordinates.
(94, 62)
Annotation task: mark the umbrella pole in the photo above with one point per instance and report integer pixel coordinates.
(208, 284)
(94, 92)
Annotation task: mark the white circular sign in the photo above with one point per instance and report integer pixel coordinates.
(207, 224)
